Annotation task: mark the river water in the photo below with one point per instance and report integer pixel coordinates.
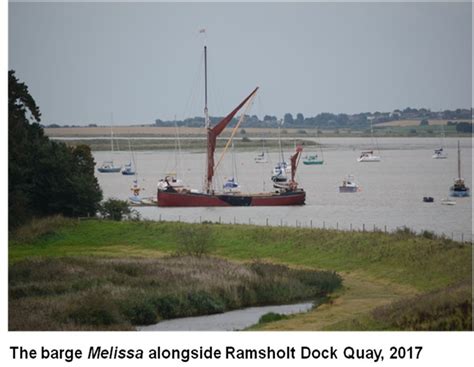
(227, 321)
(391, 196)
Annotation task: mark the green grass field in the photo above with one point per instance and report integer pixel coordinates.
(378, 269)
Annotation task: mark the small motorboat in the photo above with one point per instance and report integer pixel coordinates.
(348, 185)
(428, 199)
(109, 167)
(312, 159)
(448, 201)
(135, 198)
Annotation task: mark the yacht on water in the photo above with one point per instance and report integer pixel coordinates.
(349, 185)
(368, 156)
(459, 188)
(109, 166)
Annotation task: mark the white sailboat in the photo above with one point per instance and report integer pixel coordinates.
(441, 153)
(232, 184)
(459, 188)
(130, 168)
(369, 155)
(171, 178)
(108, 166)
(282, 168)
(262, 157)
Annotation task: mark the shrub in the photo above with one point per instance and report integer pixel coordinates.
(114, 209)
(194, 240)
(446, 309)
(96, 308)
(428, 234)
(141, 312)
(168, 306)
(404, 231)
(204, 303)
(40, 228)
(271, 316)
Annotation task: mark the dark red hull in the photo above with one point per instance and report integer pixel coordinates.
(169, 199)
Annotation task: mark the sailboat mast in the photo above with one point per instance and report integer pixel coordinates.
(111, 132)
(207, 182)
(459, 160)
(279, 142)
(206, 114)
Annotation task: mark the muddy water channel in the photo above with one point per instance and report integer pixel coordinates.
(227, 321)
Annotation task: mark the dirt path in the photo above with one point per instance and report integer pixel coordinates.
(361, 294)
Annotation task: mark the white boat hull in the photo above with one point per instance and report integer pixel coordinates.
(373, 158)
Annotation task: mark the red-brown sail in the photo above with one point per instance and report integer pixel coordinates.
(294, 161)
(213, 133)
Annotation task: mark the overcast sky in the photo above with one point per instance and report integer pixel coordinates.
(142, 61)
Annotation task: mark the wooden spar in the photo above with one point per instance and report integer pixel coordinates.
(213, 133)
(234, 130)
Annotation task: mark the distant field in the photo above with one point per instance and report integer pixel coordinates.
(125, 131)
(389, 129)
(405, 123)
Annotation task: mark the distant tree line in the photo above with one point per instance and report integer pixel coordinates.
(327, 120)
(45, 177)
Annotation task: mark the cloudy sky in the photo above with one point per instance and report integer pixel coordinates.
(144, 61)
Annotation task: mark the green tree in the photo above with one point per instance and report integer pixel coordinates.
(288, 118)
(464, 127)
(115, 209)
(299, 118)
(44, 177)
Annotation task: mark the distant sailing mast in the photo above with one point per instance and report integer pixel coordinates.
(459, 189)
(207, 180)
(369, 156)
(440, 153)
(213, 133)
(108, 166)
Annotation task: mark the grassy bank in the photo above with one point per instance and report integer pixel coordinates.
(377, 268)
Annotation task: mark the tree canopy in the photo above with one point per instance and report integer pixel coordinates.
(44, 177)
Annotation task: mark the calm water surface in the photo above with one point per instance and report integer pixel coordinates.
(391, 196)
(227, 321)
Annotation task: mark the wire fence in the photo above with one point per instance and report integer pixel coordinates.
(318, 224)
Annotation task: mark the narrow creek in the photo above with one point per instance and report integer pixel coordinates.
(227, 321)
